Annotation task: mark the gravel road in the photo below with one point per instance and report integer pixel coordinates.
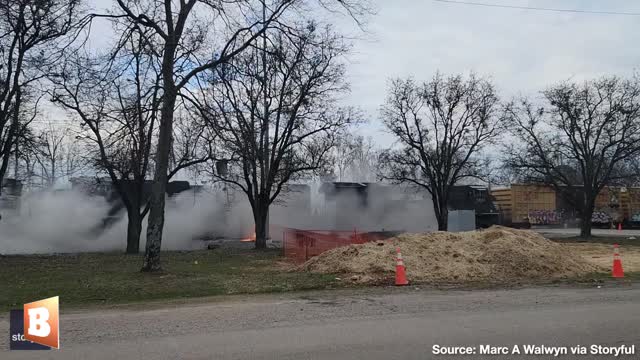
(380, 323)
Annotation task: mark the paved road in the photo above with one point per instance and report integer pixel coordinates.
(385, 323)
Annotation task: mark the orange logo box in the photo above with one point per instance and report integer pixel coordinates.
(41, 322)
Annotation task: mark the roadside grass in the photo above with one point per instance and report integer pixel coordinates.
(112, 278)
(605, 277)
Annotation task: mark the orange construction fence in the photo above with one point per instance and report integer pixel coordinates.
(301, 245)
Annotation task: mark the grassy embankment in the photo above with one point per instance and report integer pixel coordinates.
(114, 278)
(111, 278)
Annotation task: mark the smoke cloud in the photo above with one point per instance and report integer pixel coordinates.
(70, 221)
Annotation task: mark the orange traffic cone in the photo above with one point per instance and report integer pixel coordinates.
(401, 276)
(617, 271)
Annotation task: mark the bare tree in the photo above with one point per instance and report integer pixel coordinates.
(33, 34)
(191, 145)
(585, 137)
(185, 45)
(116, 97)
(440, 127)
(23, 138)
(274, 113)
(52, 153)
(355, 158)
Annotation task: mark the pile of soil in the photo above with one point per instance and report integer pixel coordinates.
(495, 255)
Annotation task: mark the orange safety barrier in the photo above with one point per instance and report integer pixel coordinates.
(301, 245)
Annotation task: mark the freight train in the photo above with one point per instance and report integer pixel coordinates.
(522, 205)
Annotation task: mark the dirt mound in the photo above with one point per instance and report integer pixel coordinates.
(498, 254)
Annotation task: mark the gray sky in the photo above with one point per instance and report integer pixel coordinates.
(523, 51)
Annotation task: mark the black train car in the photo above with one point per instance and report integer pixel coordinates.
(477, 198)
(104, 187)
(356, 196)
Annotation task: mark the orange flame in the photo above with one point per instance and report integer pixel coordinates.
(249, 238)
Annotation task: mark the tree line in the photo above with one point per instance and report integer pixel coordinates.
(578, 137)
(182, 84)
(249, 93)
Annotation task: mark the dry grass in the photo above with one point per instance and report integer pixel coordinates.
(602, 255)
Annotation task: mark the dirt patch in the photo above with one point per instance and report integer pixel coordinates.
(498, 254)
(602, 255)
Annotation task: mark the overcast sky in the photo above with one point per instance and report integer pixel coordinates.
(521, 50)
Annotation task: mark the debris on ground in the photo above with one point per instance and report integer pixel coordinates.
(497, 254)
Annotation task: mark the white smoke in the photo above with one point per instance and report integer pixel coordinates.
(52, 222)
(69, 221)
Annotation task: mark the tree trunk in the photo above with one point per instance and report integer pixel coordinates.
(585, 224)
(587, 211)
(443, 220)
(260, 217)
(158, 191)
(159, 186)
(442, 216)
(134, 228)
(5, 154)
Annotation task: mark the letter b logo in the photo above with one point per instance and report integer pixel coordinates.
(38, 325)
(41, 322)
